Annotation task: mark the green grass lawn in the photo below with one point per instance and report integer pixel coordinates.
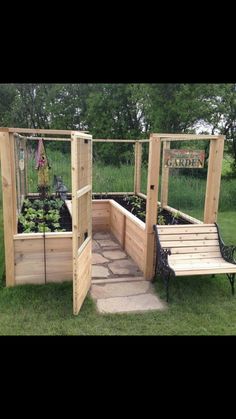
(198, 305)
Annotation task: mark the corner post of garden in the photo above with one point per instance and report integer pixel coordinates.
(9, 201)
(152, 202)
(216, 153)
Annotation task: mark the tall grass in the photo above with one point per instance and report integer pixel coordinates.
(186, 193)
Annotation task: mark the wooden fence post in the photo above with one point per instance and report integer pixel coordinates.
(213, 180)
(152, 205)
(9, 202)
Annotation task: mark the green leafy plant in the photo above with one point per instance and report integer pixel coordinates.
(161, 220)
(38, 204)
(134, 200)
(27, 203)
(43, 228)
(30, 214)
(53, 216)
(28, 225)
(38, 213)
(176, 215)
(142, 214)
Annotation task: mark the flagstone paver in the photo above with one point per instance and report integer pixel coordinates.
(99, 271)
(117, 282)
(108, 243)
(95, 245)
(131, 303)
(102, 236)
(120, 289)
(97, 259)
(114, 254)
(124, 267)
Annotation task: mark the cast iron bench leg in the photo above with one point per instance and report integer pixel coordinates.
(231, 280)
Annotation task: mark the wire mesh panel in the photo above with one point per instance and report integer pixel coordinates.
(113, 166)
(59, 158)
(186, 185)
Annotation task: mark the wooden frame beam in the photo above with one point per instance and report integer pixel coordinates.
(152, 203)
(112, 141)
(40, 131)
(213, 180)
(180, 137)
(9, 202)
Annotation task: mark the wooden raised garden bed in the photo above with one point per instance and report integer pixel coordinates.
(54, 256)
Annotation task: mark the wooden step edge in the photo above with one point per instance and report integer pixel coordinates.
(116, 280)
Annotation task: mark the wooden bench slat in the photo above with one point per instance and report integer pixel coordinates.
(196, 236)
(195, 249)
(189, 243)
(185, 229)
(220, 265)
(184, 256)
(193, 272)
(193, 263)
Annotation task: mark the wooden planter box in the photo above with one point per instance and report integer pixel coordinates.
(107, 216)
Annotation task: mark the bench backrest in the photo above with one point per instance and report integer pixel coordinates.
(190, 241)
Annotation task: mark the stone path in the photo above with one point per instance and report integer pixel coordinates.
(117, 283)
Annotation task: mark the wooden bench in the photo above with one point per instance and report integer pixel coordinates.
(192, 249)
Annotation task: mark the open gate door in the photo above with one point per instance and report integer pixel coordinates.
(81, 166)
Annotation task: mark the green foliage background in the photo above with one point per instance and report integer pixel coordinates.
(122, 111)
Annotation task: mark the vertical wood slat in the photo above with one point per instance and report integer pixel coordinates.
(137, 167)
(164, 177)
(152, 198)
(81, 218)
(75, 239)
(9, 203)
(17, 176)
(90, 158)
(13, 177)
(213, 180)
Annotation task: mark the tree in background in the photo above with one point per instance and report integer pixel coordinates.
(122, 111)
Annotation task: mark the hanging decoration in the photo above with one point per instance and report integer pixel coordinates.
(42, 166)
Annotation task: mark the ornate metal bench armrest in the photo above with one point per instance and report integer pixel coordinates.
(227, 252)
(162, 255)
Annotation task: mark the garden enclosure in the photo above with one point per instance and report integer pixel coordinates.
(36, 258)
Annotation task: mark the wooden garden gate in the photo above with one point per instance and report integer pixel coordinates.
(81, 166)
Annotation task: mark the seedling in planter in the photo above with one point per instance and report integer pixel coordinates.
(56, 225)
(28, 226)
(53, 216)
(176, 216)
(43, 228)
(161, 220)
(30, 214)
(142, 214)
(38, 204)
(27, 203)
